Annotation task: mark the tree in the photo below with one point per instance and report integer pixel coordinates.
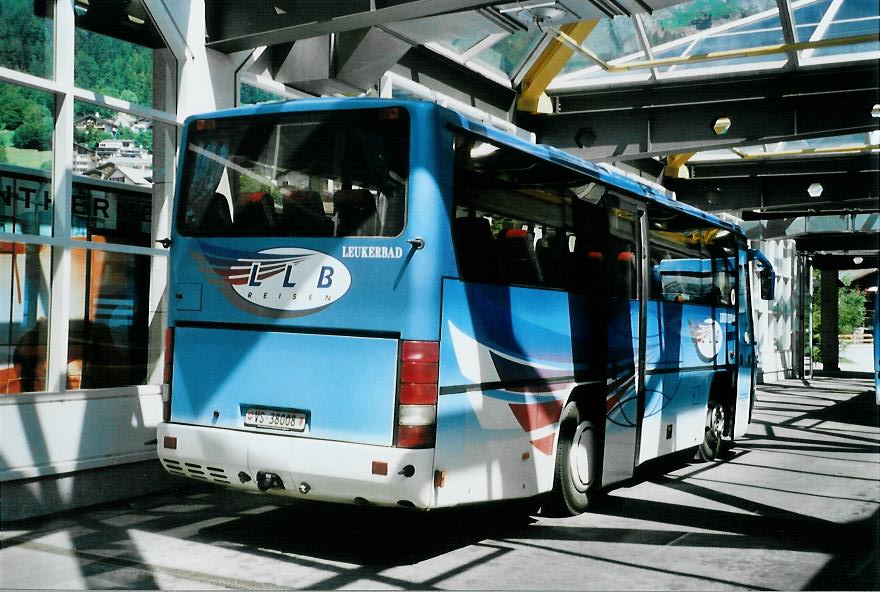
(144, 139)
(850, 312)
(851, 305)
(35, 132)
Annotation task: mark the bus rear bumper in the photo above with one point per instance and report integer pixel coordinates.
(308, 468)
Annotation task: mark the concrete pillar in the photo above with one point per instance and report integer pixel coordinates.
(830, 346)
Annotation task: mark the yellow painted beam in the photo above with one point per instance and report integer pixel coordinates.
(806, 151)
(548, 65)
(675, 165)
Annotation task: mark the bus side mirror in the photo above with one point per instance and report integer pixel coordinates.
(768, 284)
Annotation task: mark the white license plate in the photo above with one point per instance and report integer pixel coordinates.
(272, 419)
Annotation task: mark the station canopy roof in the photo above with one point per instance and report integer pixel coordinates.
(693, 39)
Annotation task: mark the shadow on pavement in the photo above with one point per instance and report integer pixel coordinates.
(370, 536)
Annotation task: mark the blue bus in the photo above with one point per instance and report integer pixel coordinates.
(380, 301)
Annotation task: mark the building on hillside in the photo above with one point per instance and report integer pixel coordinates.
(94, 121)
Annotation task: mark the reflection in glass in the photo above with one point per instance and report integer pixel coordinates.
(611, 39)
(26, 130)
(339, 173)
(117, 216)
(112, 145)
(757, 33)
(691, 18)
(24, 310)
(108, 336)
(507, 55)
(25, 201)
(254, 95)
(115, 43)
(26, 28)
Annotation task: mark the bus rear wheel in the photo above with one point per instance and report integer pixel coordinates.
(576, 477)
(713, 437)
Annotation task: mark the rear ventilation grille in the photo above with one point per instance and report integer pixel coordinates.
(196, 471)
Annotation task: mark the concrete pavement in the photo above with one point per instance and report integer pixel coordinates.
(793, 506)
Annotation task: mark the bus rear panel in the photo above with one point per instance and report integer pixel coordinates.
(303, 340)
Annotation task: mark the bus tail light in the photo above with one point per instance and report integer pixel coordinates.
(167, 374)
(417, 394)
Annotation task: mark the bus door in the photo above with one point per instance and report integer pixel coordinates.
(745, 346)
(626, 345)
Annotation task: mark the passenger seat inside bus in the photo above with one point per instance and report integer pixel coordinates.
(626, 270)
(256, 215)
(356, 213)
(554, 260)
(475, 250)
(519, 264)
(303, 213)
(216, 214)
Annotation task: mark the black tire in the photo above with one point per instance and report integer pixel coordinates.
(713, 436)
(576, 477)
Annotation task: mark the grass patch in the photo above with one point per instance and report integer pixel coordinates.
(32, 159)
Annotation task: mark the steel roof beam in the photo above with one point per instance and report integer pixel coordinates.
(700, 90)
(633, 124)
(852, 183)
(235, 26)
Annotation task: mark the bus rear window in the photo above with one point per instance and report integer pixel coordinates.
(327, 173)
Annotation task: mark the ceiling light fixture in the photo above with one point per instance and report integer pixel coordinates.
(815, 189)
(721, 126)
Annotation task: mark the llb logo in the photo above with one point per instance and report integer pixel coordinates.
(286, 279)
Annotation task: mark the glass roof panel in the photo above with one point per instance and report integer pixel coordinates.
(507, 55)
(758, 33)
(821, 146)
(457, 32)
(841, 19)
(596, 76)
(807, 15)
(830, 143)
(611, 39)
(832, 20)
(691, 18)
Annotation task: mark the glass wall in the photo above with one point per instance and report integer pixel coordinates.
(25, 271)
(83, 276)
(26, 27)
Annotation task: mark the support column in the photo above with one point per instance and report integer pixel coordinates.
(801, 312)
(830, 346)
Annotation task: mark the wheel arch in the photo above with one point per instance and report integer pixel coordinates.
(590, 397)
(723, 390)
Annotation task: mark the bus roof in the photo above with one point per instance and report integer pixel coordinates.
(602, 173)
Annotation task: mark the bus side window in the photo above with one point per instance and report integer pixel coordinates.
(475, 250)
(356, 213)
